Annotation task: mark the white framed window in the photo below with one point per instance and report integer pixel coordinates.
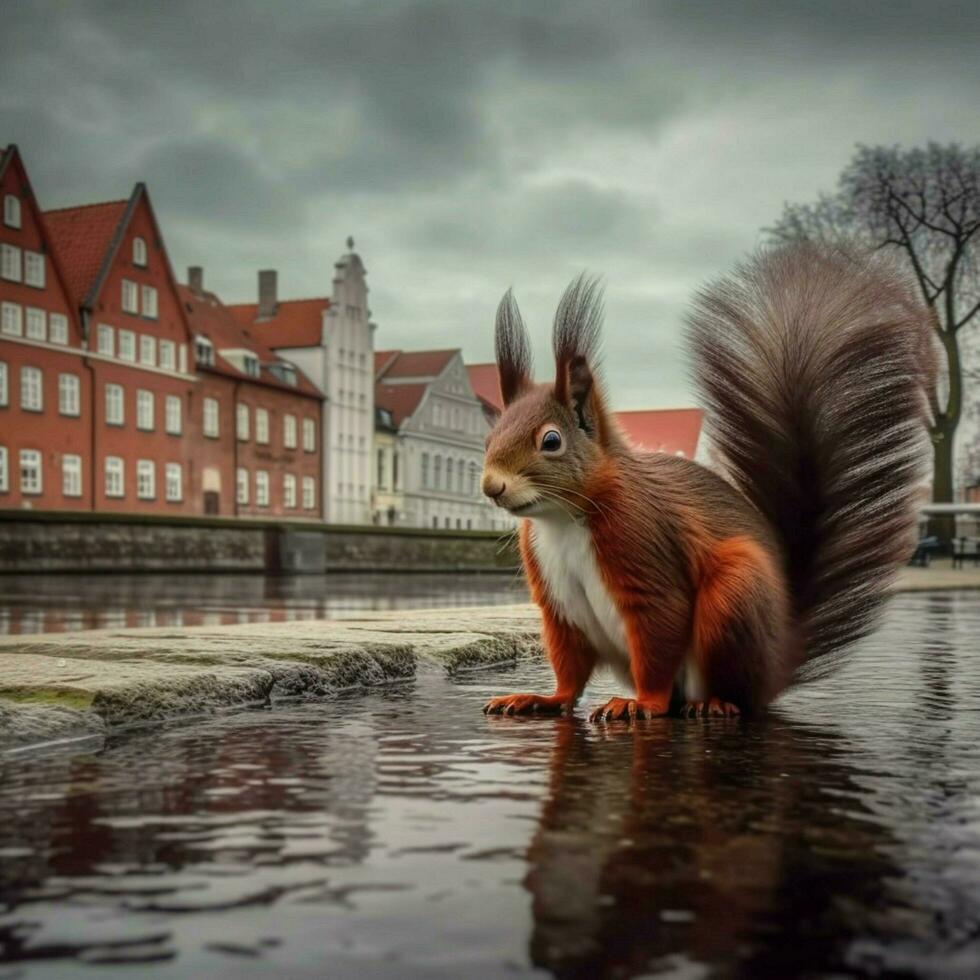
(31, 480)
(114, 472)
(149, 300)
(174, 482)
(289, 431)
(241, 422)
(71, 475)
(130, 296)
(241, 485)
(289, 490)
(4, 470)
(204, 351)
(172, 415)
(148, 350)
(146, 479)
(31, 389)
(11, 319)
(10, 262)
(69, 394)
(58, 328)
(145, 410)
(105, 340)
(182, 358)
(34, 268)
(4, 384)
(309, 493)
(425, 470)
(309, 435)
(114, 411)
(211, 418)
(139, 251)
(262, 488)
(168, 355)
(11, 210)
(36, 323)
(252, 367)
(262, 426)
(127, 346)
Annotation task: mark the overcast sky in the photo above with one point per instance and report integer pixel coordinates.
(472, 146)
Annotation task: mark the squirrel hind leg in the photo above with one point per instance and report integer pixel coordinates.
(740, 640)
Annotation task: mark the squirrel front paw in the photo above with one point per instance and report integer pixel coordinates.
(526, 704)
(629, 709)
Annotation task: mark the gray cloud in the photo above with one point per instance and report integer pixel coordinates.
(474, 146)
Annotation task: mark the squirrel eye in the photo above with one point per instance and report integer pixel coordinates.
(551, 441)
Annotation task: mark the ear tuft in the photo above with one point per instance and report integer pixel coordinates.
(513, 349)
(575, 339)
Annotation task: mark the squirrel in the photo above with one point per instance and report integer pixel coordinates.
(708, 591)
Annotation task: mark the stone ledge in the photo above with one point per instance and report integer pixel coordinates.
(60, 686)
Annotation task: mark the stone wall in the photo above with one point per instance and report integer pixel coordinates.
(61, 542)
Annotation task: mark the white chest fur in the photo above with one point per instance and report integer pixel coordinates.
(568, 565)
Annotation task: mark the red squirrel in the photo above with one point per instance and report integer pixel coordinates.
(709, 591)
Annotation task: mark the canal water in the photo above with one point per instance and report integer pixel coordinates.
(404, 834)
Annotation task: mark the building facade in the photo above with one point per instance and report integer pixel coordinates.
(331, 339)
(432, 443)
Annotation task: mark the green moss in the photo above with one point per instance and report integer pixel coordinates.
(51, 697)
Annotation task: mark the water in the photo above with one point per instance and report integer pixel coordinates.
(405, 834)
(55, 603)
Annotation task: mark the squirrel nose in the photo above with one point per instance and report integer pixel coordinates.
(493, 489)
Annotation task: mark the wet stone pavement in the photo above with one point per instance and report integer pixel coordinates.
(401, 833)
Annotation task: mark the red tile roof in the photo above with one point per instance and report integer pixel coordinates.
(382, 359)
(401, 399)
(670, 430)
(417, 363)
(485, 382)
(297, 323)
(207, 315)
(81, 237)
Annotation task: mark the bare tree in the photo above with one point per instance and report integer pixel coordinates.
(923, 204)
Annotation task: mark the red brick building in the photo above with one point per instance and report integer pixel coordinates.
(103, 405)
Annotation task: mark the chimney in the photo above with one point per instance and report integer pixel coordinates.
(267, 293)
(195, 279)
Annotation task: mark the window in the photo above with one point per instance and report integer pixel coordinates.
(171, 416)
(394, 470)
(289, 431)
(435, 521)
(425, 469)
(146, 479)
(168, 355)
(309, 435)
(309, 493)
(30, 471)
(4, 385)
(173, 482)
(114, 413)
(34, 269)
(69, 395)
(473, 479)
(182, 358)
(252, 366)
(262, 426)
(11, 210)
(262, 488)
(11, 319)
(241, 422)
(438, 473)
(10, 262)
(104, 340)
(127, 345)
(289, 490)
(144, 410)
(31, 389)
(114, 477)
(36, 323)
(139, 251)
(381, 469)
(460, 475)
(71, 475)
(149, 297)
(130, 297)
(4, 468)
(241, 485)
(204, 351)
(148, 351)
(58, 328)
(211, 418)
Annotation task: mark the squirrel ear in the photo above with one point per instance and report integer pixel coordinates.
(575, 339)
(513, 350)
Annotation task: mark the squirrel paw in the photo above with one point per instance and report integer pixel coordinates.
(525, 704)
(712, 708)
(628, 708)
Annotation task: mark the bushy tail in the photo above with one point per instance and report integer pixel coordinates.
(815, 363)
